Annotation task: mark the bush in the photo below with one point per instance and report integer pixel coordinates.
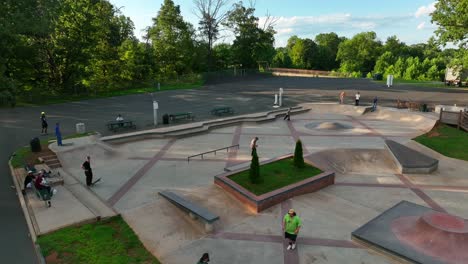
(254, 173)
(298, 155)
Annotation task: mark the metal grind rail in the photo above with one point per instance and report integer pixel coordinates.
(211, 151)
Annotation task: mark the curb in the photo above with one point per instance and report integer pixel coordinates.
(27, 215)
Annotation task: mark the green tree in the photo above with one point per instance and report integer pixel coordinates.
(359, 53)
(211, 15)
(223, 56)
(251, 43)
(254, 172)
(172, 41)
(281, 58)
(384, 61)
(298, 155)
(451, 17)
(328, 44)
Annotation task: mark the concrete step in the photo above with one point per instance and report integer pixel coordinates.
(55, 165)
(88, 198)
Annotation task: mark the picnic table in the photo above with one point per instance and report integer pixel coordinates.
(115, 125)
(179, 116)
(222, 110)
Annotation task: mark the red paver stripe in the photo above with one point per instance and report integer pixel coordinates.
(443, 188)
(382, 185)
(428, 200)
(139, 174)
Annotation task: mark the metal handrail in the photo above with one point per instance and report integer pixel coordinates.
(201, 154)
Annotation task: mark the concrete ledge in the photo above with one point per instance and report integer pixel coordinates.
(409, 160)
(200, 127)
(258, 203)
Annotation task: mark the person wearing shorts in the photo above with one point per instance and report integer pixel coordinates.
(291, 226)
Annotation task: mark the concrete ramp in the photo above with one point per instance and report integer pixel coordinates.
(411, 161)
(364, 161)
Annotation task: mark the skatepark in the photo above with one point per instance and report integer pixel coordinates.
(348, 140)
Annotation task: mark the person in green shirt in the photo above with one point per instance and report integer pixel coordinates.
(291, 226)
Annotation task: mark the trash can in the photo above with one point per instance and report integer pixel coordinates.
(165, 119)
(80, 128)
(378, 76)
(35, 145)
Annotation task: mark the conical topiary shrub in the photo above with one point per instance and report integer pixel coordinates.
(298, 156)
(254, 173)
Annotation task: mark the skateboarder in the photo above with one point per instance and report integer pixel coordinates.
(58, 134)
(342, 96)
(288, 115)
(358, 96)
(88, 171)
(253, 144)
(291, 226)
(204, 259)
(44, 123)
(374, 104)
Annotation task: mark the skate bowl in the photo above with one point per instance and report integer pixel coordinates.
(363, 161)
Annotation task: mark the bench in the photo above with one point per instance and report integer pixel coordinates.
(194, 210)
(180, 116)
(222, 110)
(115, 125)
(42, 195)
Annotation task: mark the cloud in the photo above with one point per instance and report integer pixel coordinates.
(425, 10)
(421, 25)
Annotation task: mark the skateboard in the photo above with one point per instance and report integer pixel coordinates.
(96, 181)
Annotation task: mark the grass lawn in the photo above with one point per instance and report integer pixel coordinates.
(111, 241)
(275, 175)
(24, 155)
(431, 84)
(446, 140)
(45, 100)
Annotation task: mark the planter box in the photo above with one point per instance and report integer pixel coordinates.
(258, 203)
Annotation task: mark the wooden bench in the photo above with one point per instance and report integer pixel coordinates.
(115, 125)
(195, 211)
(222, 110)
(180, 116)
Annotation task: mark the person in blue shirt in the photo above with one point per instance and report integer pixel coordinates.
(58, 134)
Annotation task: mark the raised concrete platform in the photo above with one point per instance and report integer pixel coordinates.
(201, 127)
(411, 161)
(413, 233)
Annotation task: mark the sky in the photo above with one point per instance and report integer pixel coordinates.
(409, 20)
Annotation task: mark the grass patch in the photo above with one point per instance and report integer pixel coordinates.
(430, 84)
(20, 156)
(111, 241)
(275, 175)
(24, 154)
(56, 99)
(446, 140)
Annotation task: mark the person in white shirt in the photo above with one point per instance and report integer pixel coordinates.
(119, 118)
(253, 144)
(358, 96)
